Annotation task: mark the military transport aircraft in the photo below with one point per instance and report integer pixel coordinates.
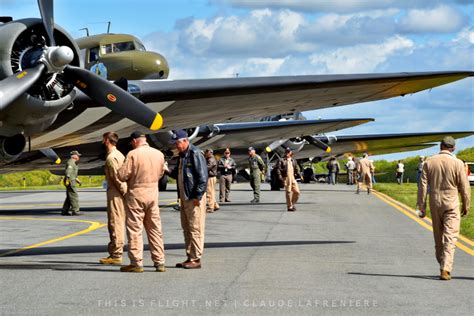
(48, 100)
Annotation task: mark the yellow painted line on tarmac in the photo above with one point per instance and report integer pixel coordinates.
(20, 206)
(415, 217)
(93, 226)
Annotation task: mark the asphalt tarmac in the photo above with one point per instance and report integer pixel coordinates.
(339, 253)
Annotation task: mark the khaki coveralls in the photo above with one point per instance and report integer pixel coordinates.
(445, 176)
(142, 169)
(72, 197)
(193, 221)
(211, 184)
(116, 190)
(292, 191)
(365, 168)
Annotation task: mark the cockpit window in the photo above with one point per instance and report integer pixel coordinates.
(140, 46)
(118, 47)
(93, 54)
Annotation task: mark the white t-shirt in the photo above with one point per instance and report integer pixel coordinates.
(400, 167)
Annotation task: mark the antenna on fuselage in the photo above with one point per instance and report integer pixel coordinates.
(108, 27)
(85, 29)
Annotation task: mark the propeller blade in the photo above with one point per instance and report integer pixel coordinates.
(317, 143)
(51, 155)
(15, 85)
(47, 15)
(113, 97)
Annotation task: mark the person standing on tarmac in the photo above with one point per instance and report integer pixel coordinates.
(226, 168)
(116, 190)
(365, 169)
(211, 182)
(71, 204)
(257, 166)
(400, 170)
(445, 177)
(191, 174)
(142, 170)
(333, 170)
(350, 168)
(288, 171)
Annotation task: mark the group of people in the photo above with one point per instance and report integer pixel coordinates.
(132, 195)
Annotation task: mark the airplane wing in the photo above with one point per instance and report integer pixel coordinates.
(380, 144)
(217, 136)
(185, 103)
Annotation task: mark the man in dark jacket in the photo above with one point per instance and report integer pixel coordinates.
(191, 174)
(211, 182)
(333, 168)
(288, 171)
(226, 168)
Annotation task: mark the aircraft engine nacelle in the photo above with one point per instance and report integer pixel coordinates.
(22, 44)
(295, 144)
(11, 147)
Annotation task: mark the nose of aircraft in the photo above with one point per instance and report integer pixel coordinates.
(151, 65)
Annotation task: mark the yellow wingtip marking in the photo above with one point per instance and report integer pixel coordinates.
(157, 122)
(58, 161)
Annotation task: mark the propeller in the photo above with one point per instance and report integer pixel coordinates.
(15, 85)
(113, 97)
(317, 143)
(51, 155)
(56, 59)
(47, 15)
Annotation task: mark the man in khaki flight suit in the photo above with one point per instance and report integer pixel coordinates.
(211, 182)
(116, 190)
(288, 170)
(70, 180)
(191, 174)
(142, 169)
(365, 169)
(445, 176)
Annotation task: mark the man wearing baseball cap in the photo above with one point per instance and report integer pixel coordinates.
(191, 175)
(257, 167)
(444, 175)
(288, 171)
(71, 204)
(142, 169)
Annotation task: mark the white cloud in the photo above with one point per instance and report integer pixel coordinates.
(361, 58)
(442, 19)
(339, 6)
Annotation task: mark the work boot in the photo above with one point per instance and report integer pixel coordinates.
(209, 210)
(291, 209)
(255, 201)
(76, 214)
(180, 264)
(110, 260)
(445, 275)
(66, 214)
(227, 200)
(192, 264)
(160, 267)
(131, 268)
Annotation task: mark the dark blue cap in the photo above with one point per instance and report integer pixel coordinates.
(179, 134)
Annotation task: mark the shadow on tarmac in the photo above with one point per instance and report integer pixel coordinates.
(426, 277)
(96, 249)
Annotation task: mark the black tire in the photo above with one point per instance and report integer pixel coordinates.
(163, 183)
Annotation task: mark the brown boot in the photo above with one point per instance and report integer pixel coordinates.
(192, 264)
(181, 264)
(110, 260)
(131, 268)
(445, 275)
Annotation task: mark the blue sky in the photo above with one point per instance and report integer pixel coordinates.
(218, 38)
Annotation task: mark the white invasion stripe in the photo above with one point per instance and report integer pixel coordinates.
(211, 140)
(84, 119)
(123, 127)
